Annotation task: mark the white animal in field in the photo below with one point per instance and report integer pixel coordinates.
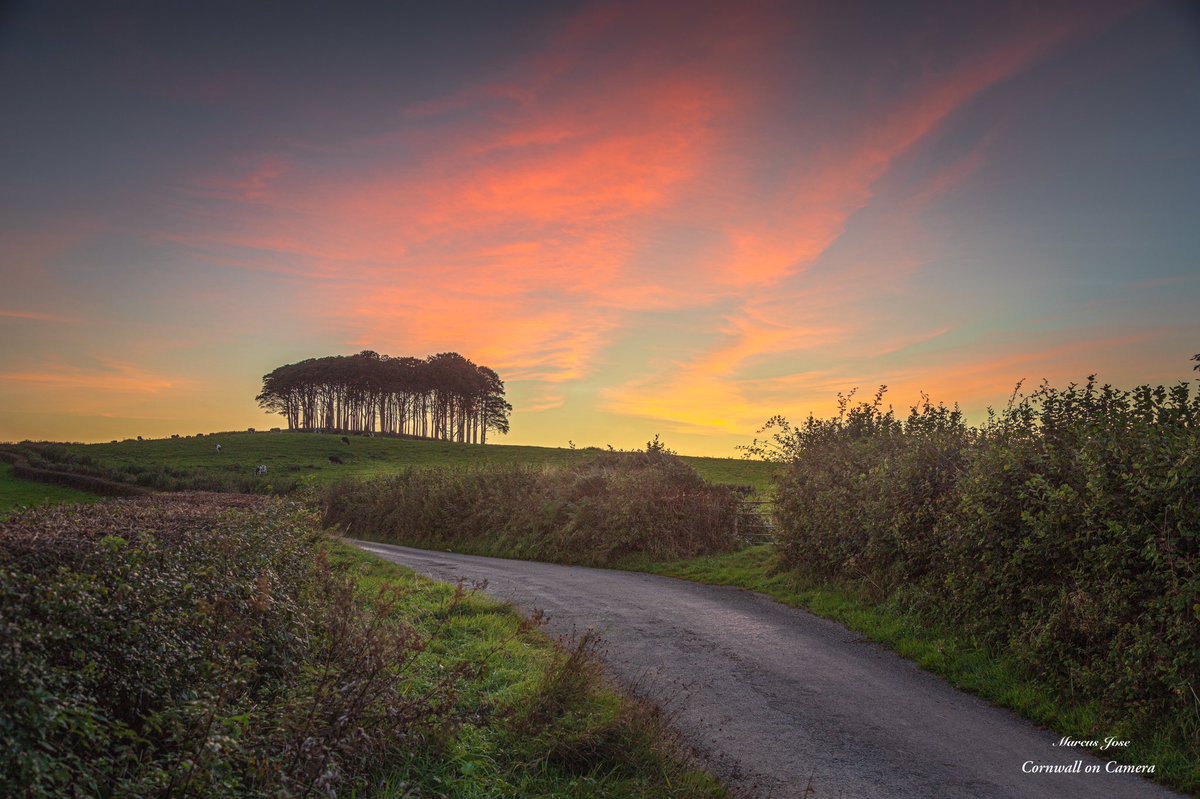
(218, 447)
(260, 471)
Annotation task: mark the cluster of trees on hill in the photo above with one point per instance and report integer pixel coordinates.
(445, 396)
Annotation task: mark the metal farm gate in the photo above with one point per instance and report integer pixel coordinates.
(755, 524)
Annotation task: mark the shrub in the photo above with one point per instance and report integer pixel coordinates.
(614, 505)
(194, 646)
(1064, 531)
(864, 491)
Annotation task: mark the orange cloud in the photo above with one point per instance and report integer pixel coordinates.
(793, 227)
(511, 230)
(983, 377)
(111, 377)
(784, 311)
(527, 222)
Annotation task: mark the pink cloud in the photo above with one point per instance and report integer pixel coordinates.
(511, 235)
(34, 316)
(525, 220)
(783, 310)
(250, 185)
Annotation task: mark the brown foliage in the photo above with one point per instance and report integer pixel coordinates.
(197, 645)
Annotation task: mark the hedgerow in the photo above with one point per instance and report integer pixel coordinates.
(1064, 532)
(199, 646)
(613, 506)
(58, 464)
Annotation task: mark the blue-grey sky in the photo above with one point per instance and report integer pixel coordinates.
(648, 217)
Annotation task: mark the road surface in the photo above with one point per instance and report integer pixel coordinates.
(778, 700)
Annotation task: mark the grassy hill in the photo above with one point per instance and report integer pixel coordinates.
(304, 457)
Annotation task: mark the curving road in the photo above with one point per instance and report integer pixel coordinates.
(780, 701)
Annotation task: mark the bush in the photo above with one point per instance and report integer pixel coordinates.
(1063, 531)
(194, 646)
(864, 491)
(613, 506)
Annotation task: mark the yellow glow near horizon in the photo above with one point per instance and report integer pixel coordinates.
(646, 221)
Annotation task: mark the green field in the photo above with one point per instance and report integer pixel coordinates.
(306, 456)
(15, 492)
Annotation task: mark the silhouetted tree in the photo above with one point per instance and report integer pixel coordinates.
(445, 396)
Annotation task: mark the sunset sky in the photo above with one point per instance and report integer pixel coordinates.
(675, 218)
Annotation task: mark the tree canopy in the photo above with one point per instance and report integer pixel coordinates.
(444, 396)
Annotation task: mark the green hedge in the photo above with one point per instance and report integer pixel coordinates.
(615, 505)
(1065, 531)
(59, 464)
(69, 479)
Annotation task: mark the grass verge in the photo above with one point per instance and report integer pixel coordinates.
(210, 645)
(537, 721)
(960, 661)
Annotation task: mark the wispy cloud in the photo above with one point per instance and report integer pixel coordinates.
(510, 225)
(34, 316)
(109, 377)
(725, 165)
(786, 307)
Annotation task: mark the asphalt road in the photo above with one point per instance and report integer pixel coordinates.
(778, 700)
